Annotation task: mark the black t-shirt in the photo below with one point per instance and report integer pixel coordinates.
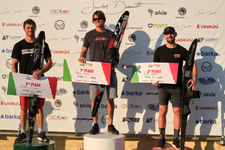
(98, 43)
(23, 51)
(173, 55)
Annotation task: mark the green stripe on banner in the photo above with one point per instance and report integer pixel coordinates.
(134, 78)
(66, 72)
(11, 85)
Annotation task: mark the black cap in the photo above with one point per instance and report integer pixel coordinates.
(169, 30)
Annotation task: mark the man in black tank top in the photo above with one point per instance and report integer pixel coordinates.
(173, 53)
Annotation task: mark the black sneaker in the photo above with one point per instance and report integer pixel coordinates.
(161, 144)
(42, 137)
(112, 130)
(94, 130)
(176, 144)
(21, 138)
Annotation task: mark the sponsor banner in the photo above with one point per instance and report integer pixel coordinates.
(153, 72)
(25, 85)
(89, 72)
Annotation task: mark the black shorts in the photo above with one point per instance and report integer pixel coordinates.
(174, 95)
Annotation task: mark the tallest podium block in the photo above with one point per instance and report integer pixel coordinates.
(103, 141)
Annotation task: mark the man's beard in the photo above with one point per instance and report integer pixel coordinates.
(171, 41)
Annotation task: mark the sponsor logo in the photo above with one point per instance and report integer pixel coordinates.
(110, 26)
(4, 89)
(184, 39)
(10, 116)
(82, 119)
(127, 66)
(159, 12)
(205, 121)
(207, 26)
(4, 24)
(206, 66)
(35, 10)
(149, 120)
(130, 106)
(11, 37)
(7, 50)
(57, 117)
(104, 119)
(127, 93)
(61, 91)
(153, 107)
(212, 53)
(59, 25)
(125, 79)
(154, 71)
(10, 103)
(4, 76)
(129, 119)
(59, 11)
(105, 106)
(9, 63)
(157, 26)
(60, 51)
(182, 12)
(151, 93)
(58, 103)
(206, 108)
(80, 92)
(150, 53)
(132, 37)
(153, 65)
(202, 39)
(57, 64)
(84, 24)
(206, 80)
(76, 37)
(83, 105)
(208, 94)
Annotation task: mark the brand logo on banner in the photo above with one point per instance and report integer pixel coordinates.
(110, 26)
(150, 120)
(206, 80)
(105, 106)
(84, 24)
(58, 103)
(126, 79)
(150, 53)
(199, 26)
(7, 50)
(132, 37)
(76, 37)
(60, 51)
(130, 119)
(83, 105)
(184, 39)
(162, 12)
(4, 89)
(202, 39)
(59, 25)
(10, 103)
(127, 66)
(206, 67)
(182, 12)
(157, 26)
(10, 116)
(153, 107)
(128, 93)
(82, 119)
(59, 11)
(80, 92)
(10, 37)
(4, 24)
(61, 91)
(210, 121)
(206, 108)
(208, 94)
(151, 93)
(35, 10)
(212, 53)
(57, 65)
(57, 117)
(104, 119)
(130, 106)
(4, 76)
(9, 63)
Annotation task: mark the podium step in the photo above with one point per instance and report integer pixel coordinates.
(104, 141)
(170, 147)
(35, 145)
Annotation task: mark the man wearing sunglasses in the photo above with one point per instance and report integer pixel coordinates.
(97, 40)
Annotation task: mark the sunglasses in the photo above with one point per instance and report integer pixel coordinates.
(95, 19)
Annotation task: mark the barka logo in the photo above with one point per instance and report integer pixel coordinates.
(4, 24)
(208, 94)
(206, 80)
(80, 92)
(205, 121)
(206, 108)
(10, 116)
(60, 51)
(10, 37)
(150, 120)
(129, 119)
(105, 106)
(153, 107)
(127, 93)
(212, 53)
(61, 91)
(208, 40)
(10, 103)
(57, 117)
(35, 10)
(130, 106)
(7, 50)
(110, 26)
(132, 37)
(206, 66)
(184, 40)
(157, 26)
(199, 26)
(84, 24)
(59, 25)
(59, 12)
(58, 103)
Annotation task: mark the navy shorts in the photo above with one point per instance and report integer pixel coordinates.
(174, 95)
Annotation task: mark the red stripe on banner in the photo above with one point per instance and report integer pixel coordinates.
(98, 93)
(106, 67)
(53, 85)
(174, 71)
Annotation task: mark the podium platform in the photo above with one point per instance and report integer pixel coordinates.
(35, 145)
(170, 147)
(104, 141)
